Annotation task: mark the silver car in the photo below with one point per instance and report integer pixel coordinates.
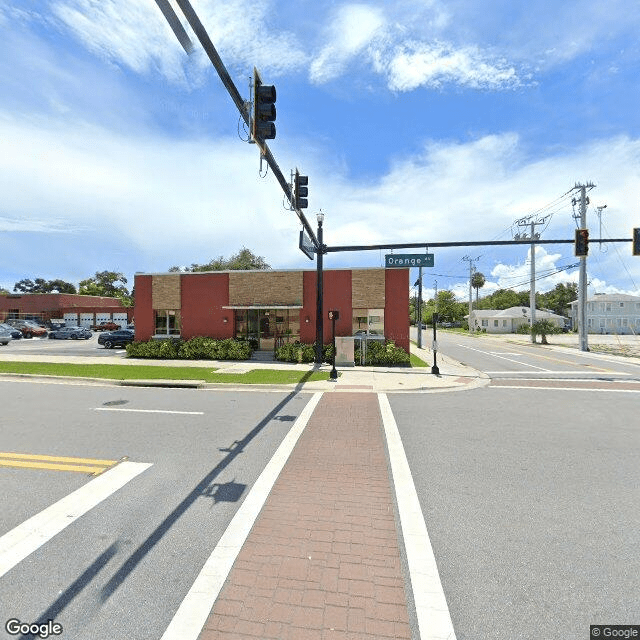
(71, 332)
(5, 336)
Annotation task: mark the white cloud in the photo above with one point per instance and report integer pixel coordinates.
(416, 64)
(136, 34)
(350, 31)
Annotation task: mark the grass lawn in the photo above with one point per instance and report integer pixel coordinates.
(150, 372)
(417, 362)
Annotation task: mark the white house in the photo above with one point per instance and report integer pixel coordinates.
(508, 320)
(610, 313)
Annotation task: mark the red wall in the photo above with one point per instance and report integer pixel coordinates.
(396, 309)
(203, 297)
(143, 310)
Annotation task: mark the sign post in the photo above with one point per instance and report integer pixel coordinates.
(333, 316)
(434, 370)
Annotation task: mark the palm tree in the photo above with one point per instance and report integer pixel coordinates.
(477, 282)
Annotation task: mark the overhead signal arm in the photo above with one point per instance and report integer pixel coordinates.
(241, 105)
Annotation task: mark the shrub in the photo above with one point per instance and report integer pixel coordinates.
(302, 352)
(198, 348)
(386, 354)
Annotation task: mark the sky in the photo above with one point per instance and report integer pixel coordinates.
(415, 120)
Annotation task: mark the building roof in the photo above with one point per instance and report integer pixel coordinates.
(611, 297)
(513, 312)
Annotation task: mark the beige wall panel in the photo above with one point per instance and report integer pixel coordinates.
(165, 292)
(268, 288)
(367, 288)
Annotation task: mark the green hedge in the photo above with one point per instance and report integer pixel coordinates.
(302, 352)
(378, 353)
(387, 354)
(199, 348)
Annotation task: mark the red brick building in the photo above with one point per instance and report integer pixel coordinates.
(270, 306)
(72, 308)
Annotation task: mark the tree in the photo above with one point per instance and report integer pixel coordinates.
(107, 283)
(40, 285)
(448, 308)
(244, 260)
(560, 297)
(477, 282)
(543, 328)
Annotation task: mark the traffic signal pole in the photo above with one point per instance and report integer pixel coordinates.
(582, 277)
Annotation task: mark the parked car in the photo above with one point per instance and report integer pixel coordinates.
(5, 336)
(16, 334)
(28, 328)
(73, 333)
(112, 339)
(105, 326)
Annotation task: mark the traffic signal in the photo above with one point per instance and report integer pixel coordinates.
(582, 242)
(636, 241)
(300, 191)
(264, 109)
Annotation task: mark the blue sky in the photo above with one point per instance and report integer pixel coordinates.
(416, 121)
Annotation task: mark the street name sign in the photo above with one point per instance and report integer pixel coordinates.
(306, 246)
(408, 260)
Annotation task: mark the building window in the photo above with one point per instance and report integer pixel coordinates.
(167, 322)
(602, 323)
(485, 323)
(608, 306)
(495, 323)
(504, 323)
(368, 320)
(622, 305)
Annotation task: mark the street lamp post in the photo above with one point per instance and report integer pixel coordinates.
(319, 319)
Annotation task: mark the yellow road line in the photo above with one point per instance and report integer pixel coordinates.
(91, 466)
(54, 467)
(31, 456)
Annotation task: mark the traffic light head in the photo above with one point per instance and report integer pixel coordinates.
(300, 191)
(636, 241)
(582, 242)
(264, 109)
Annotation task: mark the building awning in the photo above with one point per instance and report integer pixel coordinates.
(263, 307)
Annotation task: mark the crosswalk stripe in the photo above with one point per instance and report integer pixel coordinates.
(24, 539)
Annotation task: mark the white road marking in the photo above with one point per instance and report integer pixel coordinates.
(24, 539)
(194, 610)
(489, 353)
(564, 373)
(434, 619)
(535, 387)
(182, 413)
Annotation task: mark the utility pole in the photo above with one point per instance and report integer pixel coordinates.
(419, 310)
(471, 269)
(582, 280)
(528, 222)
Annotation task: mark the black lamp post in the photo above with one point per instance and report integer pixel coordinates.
(319, 319)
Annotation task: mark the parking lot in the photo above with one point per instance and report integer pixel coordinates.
(47, 347)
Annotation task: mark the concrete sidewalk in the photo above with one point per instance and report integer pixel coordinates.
(452, 375)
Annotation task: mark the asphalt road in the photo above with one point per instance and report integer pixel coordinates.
(530, 492)
(46, 346)
(123, 568)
